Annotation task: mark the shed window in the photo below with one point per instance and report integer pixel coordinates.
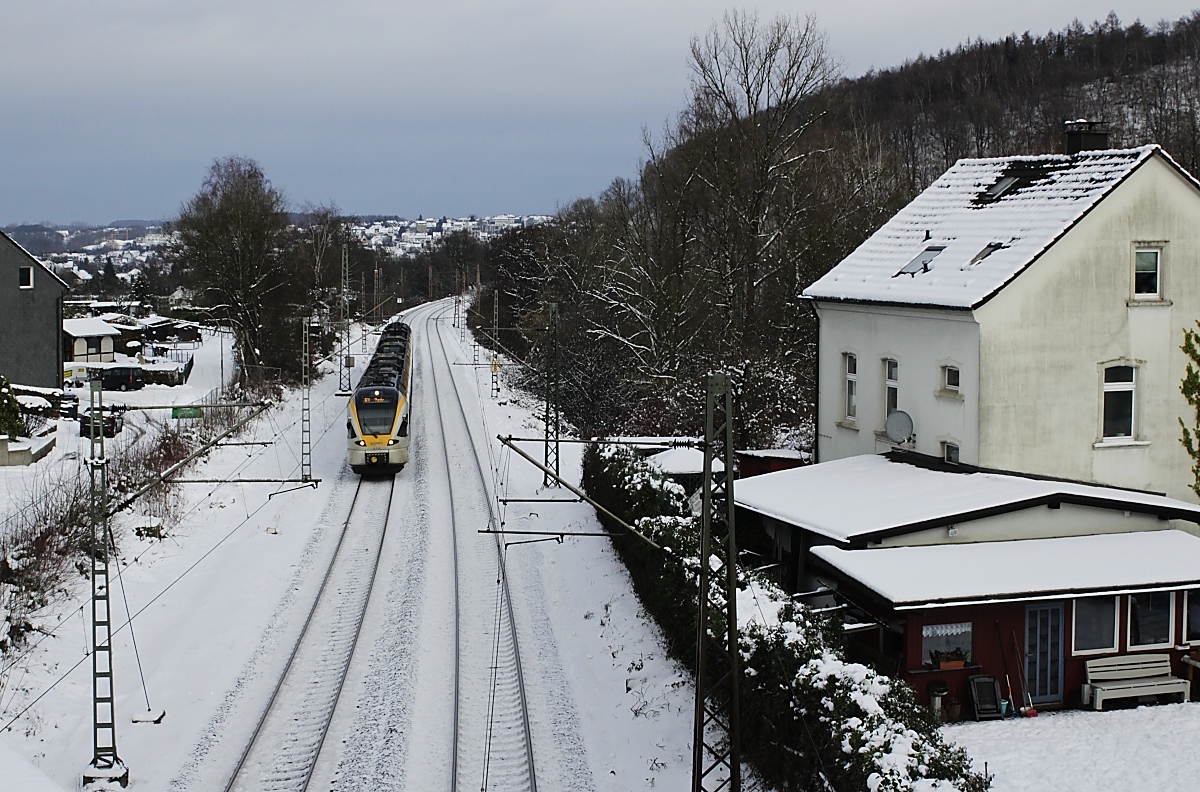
(945, 642)
(1191, 624)
(1146, 273)
(851, 364)
(1151, 617)
(25, 277)
(1095, 623)
(1119, 384)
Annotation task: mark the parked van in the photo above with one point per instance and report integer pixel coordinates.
(122, 378)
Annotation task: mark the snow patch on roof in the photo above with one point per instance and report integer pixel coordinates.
(89, 327)
(682, 461)
(977, 227)
(959, 573)
(863, 495)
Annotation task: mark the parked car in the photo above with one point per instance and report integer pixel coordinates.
(122, 378)
(68, 406)
(112, 423)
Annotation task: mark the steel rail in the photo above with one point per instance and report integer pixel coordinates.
(235, 776)
(430, 323)
(512, 625)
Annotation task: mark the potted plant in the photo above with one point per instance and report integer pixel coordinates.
(954, 658)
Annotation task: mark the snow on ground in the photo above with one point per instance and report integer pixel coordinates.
(221, 601)
(1150, 749)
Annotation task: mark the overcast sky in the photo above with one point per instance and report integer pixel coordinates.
(114, 109)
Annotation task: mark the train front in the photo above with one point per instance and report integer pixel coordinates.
(378, 430)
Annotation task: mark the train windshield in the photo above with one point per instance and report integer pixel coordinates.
(376, 410)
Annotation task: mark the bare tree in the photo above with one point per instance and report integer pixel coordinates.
(753, 84)
(322, 226)
(233, 233)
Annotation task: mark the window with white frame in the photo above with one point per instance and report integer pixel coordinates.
(25, 277)
(891, 386)
(950, 378)
(1118, 408)
(1095, 625)
(1151, 619)
(1147, 276)
(1191, 618)
(851, 372)
(950, 452)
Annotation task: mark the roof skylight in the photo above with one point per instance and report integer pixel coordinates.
(921, 262)
(999, 188)
(991, 248)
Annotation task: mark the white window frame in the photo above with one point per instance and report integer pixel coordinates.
(1119, 387)
(1183, 638)
(946, 446)
(957, 386)
(1116, 640)
(1129, 645)
(22, 269)
(1158, 250)
(891, 384)
(850, 387)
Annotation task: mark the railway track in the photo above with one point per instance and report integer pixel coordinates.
(287, 741)
(493, 745)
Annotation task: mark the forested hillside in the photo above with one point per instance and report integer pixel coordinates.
(775, 170)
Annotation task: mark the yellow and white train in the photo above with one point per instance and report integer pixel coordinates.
(378, 422)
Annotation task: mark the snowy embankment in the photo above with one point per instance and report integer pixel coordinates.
(1150, 749)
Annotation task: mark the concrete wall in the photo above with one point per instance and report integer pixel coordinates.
(1045, 338)
(30, 321)
(922, 341)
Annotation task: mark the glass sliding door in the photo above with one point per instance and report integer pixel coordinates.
(1044, 652)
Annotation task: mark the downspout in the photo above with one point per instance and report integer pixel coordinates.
(812, 306)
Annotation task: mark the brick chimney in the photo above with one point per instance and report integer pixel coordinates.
(1084, 135)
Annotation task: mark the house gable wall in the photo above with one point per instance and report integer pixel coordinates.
(30, 321)
(1045, 337)
(922, 341)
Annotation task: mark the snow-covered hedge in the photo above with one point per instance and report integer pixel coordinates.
(810, 720)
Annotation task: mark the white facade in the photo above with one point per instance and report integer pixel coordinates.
(1032, 355)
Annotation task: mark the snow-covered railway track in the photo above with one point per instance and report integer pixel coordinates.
(491, 736)
(287, 741)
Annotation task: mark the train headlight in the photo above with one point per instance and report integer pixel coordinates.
(393, 441)
(360, 442)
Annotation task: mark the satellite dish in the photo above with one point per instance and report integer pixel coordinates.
(899, 427)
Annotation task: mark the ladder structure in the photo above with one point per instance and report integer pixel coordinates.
(716, 743)
(344, 360)
(306, 400)
(495, 344)
(106, 765)
(552, 418)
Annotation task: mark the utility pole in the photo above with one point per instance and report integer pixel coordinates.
(105, 764)
(345, 362)
(716, 742)
(495, 343)
(552, 412)
(377, 310)
(306, 400)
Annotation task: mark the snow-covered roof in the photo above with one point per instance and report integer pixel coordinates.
(89, 327)
(682, 461)
(862, 497)
(977, 227)
(959, 574)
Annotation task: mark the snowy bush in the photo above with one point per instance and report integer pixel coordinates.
(810, 720)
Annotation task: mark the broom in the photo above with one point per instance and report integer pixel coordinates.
(1029, 711)
(1012, 704)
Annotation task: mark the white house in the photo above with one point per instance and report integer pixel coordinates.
(1027, 312)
